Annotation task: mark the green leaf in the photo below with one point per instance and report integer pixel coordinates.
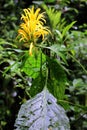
(42, 113)
(37, 85)
(49, 1)
(3, 41)
(57, 47)
(32, 64)
(57, 79)
(60, 51)
(67, 28)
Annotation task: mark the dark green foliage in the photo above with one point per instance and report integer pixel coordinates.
(57, 79)
(37, 85)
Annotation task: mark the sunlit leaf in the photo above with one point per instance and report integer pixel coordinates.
(32, 64)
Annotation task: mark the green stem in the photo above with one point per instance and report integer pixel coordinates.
(77, 105)
(41, 65)
(46, 79)
(78, 63)
(41, 71)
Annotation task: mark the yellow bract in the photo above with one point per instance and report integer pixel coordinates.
(32, 27)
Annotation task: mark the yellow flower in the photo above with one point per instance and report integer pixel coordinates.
(31, 47)
(32, 27)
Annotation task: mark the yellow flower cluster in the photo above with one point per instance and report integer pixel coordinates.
(32, 27)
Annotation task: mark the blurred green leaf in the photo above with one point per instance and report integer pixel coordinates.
(59, 50)
(49, 1)
(67, 28)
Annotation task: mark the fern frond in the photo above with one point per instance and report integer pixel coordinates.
(54, 16)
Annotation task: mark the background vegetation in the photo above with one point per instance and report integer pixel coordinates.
(15, 82)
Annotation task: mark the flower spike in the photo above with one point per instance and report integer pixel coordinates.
(32, 27)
